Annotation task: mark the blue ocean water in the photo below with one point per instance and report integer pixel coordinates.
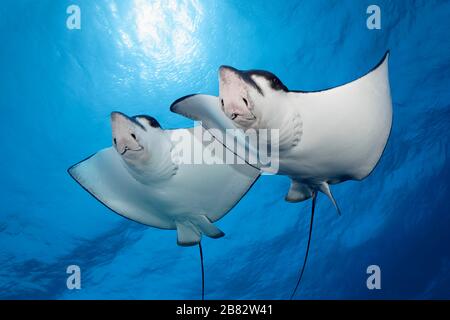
(58, 87)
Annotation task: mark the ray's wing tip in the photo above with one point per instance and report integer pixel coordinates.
(386, 56)
(383, 61)
(70, 171)
(174, 107)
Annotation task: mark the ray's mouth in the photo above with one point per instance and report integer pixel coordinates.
(234, 116)
(133, 150)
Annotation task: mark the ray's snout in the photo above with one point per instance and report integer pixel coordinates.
(234, 97)
(124, 135)
(228, 72)
(117, 116)
(226, 68)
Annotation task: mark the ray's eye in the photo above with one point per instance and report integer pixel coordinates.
(133, 136)
(222, 103)
(245, 101)
(115, 141)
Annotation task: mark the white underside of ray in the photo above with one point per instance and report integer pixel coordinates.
(188, 201)
(345, 130)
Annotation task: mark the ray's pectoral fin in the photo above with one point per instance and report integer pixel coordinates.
(207, 227)
(205, 108)
(189, 232)
(325, 189)
(298, 192)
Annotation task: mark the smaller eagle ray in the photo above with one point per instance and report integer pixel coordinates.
(139, 179)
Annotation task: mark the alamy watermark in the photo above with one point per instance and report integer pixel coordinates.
(374, 280)
(374, 20)
(74, 279)
(259, 148)
(73, 21)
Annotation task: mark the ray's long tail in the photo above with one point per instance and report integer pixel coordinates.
(307, 247)
(203, 270)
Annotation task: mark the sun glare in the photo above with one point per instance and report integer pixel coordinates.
(165, 29)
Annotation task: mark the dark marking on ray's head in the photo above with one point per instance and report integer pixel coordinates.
(151, 121)
(245, 76)
(132, 119)
(274, 81)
